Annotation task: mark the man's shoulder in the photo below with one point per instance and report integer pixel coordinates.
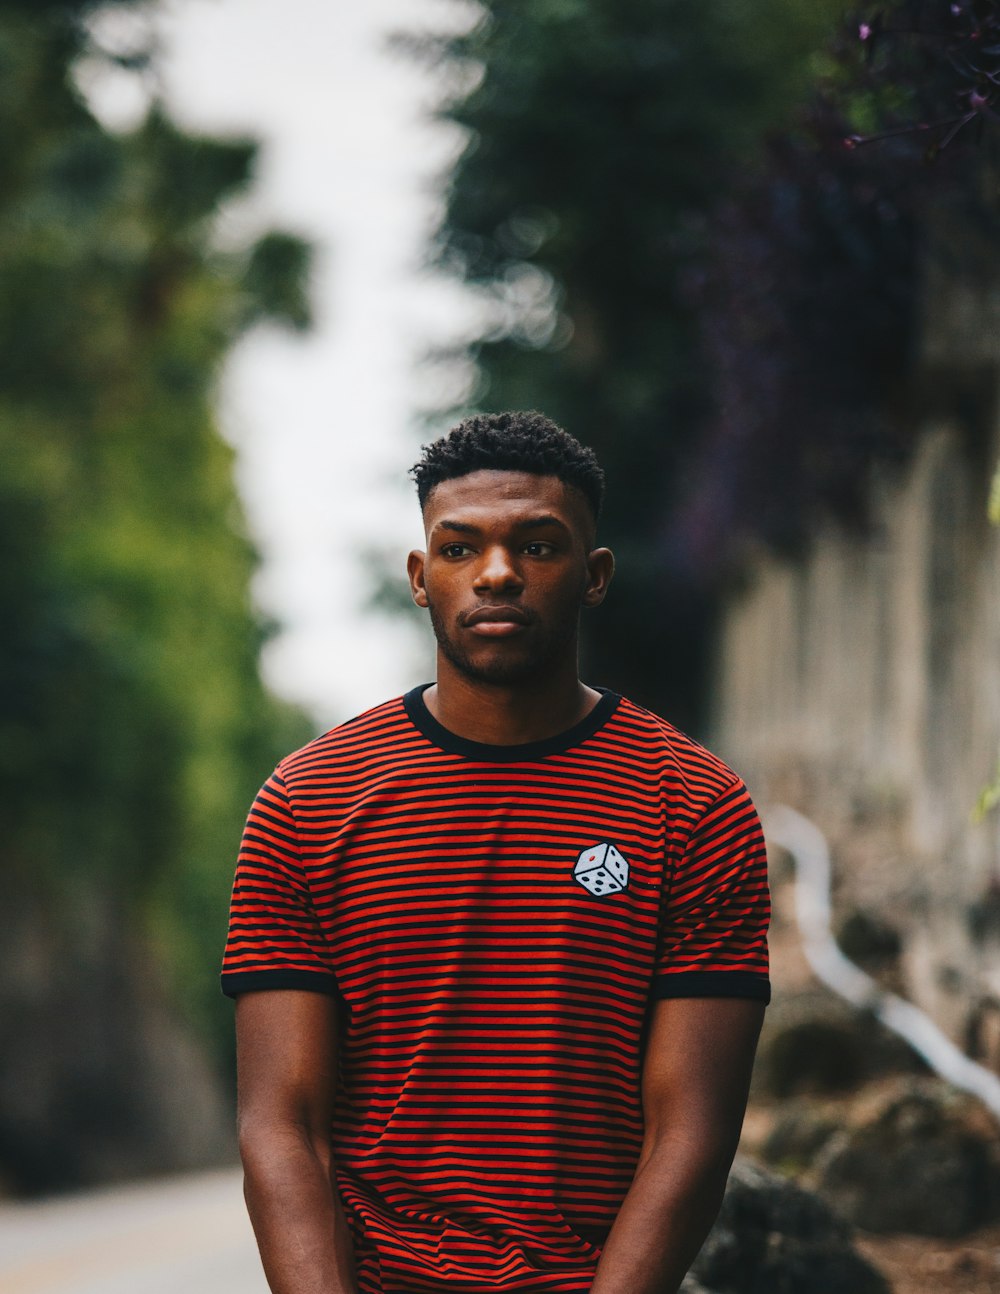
(376, 729)
(683, 759)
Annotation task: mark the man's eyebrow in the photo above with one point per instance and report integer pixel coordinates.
(462, 527)
(529, 523)
(537, 523)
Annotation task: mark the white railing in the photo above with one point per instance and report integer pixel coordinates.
(811, 855)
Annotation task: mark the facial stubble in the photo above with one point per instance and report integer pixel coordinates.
(548, 651)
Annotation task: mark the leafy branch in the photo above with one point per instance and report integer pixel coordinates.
(955, 50)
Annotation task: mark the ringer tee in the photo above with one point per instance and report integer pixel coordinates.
(495, 922)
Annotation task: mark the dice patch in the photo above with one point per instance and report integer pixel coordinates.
(601, 869)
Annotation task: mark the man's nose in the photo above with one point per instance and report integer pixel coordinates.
(498, 571)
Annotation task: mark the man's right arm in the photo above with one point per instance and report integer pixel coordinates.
(286, 1048)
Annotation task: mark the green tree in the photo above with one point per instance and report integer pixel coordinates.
(600, 134)
(133, 724)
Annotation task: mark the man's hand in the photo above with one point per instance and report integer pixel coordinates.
(286, 1046)
(695, 1080)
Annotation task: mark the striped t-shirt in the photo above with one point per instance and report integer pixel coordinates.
(494, 922)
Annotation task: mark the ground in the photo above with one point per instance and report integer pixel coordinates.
(918, 1265)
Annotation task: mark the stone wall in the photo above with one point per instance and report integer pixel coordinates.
(861, 685)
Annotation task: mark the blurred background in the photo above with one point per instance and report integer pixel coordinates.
(252, 255)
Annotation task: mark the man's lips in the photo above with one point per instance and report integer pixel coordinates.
(496, 622)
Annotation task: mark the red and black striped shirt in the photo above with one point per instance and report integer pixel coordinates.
(495, 922)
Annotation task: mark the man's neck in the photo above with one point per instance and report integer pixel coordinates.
(507, 715)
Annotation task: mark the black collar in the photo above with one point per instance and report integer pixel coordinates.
(422, 719)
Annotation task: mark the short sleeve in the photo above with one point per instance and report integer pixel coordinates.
(713, 938)
(275, 939)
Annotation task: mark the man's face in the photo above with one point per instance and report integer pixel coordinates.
(507, 568)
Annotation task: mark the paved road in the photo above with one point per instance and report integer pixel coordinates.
(186, 1235)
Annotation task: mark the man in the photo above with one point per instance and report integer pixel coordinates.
(498, 946)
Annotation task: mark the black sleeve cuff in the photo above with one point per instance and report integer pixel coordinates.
(749, 984)
(236, 982)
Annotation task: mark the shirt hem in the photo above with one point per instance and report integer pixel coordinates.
(748, 984)
(236, 982)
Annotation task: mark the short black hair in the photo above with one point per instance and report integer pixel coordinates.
(518, 441)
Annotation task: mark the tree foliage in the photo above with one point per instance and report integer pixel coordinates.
(689, 269)
(133, 724)
(809, 297)
(937, 59)
(596, 132)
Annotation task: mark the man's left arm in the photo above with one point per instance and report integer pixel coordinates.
(695, 1080)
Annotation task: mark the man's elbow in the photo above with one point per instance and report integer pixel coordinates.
(691, 1163)
(270, 1146)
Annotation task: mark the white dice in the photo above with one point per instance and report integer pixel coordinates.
(601, 869)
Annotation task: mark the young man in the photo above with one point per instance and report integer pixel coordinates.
(498, 946)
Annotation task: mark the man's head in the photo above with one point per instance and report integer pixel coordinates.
(510, 504)
(511, 442)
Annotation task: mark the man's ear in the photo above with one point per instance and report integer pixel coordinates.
(600, 569)
(415, 570)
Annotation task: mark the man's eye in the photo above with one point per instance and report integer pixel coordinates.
(455, 550)
(538, 548)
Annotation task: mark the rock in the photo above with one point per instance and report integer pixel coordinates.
(813, 1056)
(798, 1134)
(923, 1161)
(772, 1237)
(869, 942)
(690, 1286)
(813, 1043)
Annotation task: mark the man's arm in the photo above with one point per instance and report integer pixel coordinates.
(695, 1080)
(286, 1049)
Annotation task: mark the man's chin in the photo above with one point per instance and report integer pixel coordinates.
(502, 674)
(496, 671)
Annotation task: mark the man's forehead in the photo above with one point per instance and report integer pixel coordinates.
(502, 493)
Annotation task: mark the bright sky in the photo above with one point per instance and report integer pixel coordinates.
(323, 424)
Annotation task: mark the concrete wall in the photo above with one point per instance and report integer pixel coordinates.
(862, 686)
